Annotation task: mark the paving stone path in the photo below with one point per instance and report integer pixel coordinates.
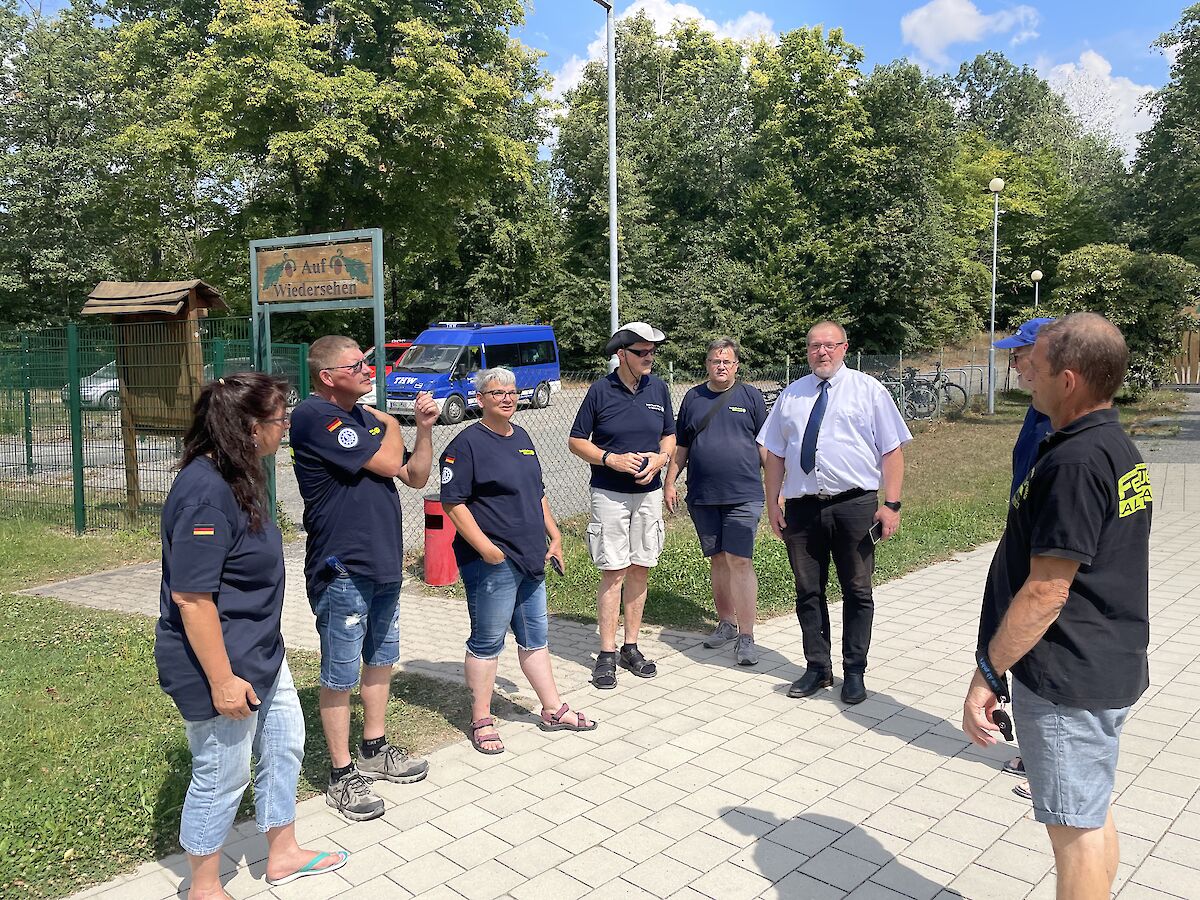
(708, 782)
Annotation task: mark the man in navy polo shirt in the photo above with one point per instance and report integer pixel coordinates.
(1066, 606)
(347, 457)
(715, 434)
(625, 430)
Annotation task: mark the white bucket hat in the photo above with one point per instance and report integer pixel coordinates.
(633, 333)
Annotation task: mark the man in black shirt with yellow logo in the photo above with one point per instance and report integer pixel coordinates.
(1066, 607)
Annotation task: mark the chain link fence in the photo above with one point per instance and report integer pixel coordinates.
(72, 453)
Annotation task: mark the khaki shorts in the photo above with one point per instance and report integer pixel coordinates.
(626, 529)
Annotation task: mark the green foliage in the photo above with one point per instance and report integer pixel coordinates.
(1151, 297)
(1168, 160)
(762, 184)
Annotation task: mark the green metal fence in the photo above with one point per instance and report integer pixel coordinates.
(69, 454)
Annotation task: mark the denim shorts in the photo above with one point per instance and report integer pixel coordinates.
(358, 621)
(221, 750)
(729, 528)
(501, 596)
(1070, 758)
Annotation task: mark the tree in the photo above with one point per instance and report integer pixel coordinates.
(1168, 159)
(55, 234)
(1151, 297)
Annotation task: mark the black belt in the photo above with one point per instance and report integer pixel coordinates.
(851, 494)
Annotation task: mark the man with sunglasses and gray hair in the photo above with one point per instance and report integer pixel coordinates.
(625, 430)
(347, 457)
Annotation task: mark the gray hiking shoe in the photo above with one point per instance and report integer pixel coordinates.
(392, 764)
(746, 650)
(722, 635)
(351, 795)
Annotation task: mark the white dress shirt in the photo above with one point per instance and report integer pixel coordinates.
(861, 424)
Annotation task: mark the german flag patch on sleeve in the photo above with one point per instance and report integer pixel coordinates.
(203, 531)
(333, 426)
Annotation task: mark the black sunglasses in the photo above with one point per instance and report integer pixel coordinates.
(641, 353)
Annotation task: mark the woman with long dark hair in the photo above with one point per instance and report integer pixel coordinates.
(219, 648)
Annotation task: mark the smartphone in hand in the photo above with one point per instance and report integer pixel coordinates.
(876, 532)
(556, 565)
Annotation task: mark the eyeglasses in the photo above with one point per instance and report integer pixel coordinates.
(502, 395)
(829, 346)
(278, 420)
(718, 363)
(355, 367)
(641, 353)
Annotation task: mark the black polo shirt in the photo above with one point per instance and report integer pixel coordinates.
(723, 465)
(613, 418)
(349, 512)
(1088, 499)
(500, 480)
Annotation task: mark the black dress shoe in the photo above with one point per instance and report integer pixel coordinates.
(810, 682)
(854, 690)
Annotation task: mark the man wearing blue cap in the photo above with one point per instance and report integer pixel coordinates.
(1036, 427)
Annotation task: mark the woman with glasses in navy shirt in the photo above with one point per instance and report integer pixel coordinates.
(218, 644)
(492, 491)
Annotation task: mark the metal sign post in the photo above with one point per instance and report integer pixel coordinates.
(313, 272)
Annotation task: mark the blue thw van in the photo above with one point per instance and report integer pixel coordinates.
(445, 357)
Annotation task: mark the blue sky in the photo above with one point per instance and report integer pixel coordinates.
(1096, 53)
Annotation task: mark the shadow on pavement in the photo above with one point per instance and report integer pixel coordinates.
(815, 855)
(880, 712)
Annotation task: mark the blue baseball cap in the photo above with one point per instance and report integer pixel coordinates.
(1025, 335)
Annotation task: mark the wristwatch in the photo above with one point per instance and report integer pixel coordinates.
(893, 505)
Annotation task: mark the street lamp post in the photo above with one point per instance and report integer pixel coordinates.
(614, 322)
(996, 185)
(1035, 276)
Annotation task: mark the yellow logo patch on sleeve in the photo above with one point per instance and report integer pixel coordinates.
(1134, 492)
(527, 453)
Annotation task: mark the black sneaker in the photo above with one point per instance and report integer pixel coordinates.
(351, 795)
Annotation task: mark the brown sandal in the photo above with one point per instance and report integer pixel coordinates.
(477, 742)
(553, 721)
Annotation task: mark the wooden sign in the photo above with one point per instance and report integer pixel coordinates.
(321, 272)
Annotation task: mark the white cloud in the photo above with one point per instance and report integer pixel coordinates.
(663, 13)
(938, 24)
(1106, 104)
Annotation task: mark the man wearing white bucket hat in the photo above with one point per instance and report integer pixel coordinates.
(625, 430)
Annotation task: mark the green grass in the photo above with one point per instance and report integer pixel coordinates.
(95, 760)
(957, 476)
(33, 553)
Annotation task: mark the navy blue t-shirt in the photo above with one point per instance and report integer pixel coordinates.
(723, 461)
(349, 512)
(500, 481)
(1036, 427)
(208, 548)
(615, 419)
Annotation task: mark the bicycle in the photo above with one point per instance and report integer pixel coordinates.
(952, 397)
(914, 398)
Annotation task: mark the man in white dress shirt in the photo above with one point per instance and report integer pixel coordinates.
(834, 443)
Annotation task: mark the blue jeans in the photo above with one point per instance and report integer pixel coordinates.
(499, 596)
(221, 750)
(358, 621)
